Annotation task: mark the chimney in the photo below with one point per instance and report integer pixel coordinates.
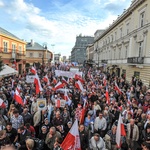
(32, 42)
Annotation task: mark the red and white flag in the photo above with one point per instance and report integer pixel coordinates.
(18, 98)
(129, 102)
(66, 95)
(58, 86)
(37, 83)
(64, 80)
(78, 77)
(79, 86)
(2, 104)
(46, 79)
(58, 103)
(104, 80)
(72, 140)
(120, 131)
(117, 88)
(33, 70)
(107, 96)
(54, 80)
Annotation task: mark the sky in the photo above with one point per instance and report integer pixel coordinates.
(58, 22)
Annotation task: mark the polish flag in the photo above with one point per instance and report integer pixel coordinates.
(58, 103)
(33, 70)
(54, 80)
(64, 80)
(78, 77)
(117, 88)
(78, 85)
(90, 75)
(104, 80)
(37, 83)
(83, 112)
(59, 85)
(72, 140)
(46, 79)
(18, 98)
(107, 96)
(18, 88)
(129, 102)
(2, 104)
(66, 95)
(120, 131)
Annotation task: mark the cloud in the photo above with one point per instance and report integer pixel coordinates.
(1, 4)
(59, 24)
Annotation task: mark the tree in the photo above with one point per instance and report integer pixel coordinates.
(1, 64)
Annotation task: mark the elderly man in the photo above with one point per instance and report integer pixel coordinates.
(51, 136)
(100, 124)
(132, 133)
(97, 143)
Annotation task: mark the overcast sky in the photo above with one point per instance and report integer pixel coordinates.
(58, 22)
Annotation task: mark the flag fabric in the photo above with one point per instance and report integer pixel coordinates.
(117, 88)
(58, 86)
(120, 131)
(107, 96)
(2, 104)
(129, 102)
(83, 112)
(18, 98)
(33, 70)
(79, 86)
(66, 95)
(104, 80)
(78, 77)
(18, 88)
(58, 103)
(46, 79)
(72, 140)
(64, 80)
(54, 80)
(37, 83)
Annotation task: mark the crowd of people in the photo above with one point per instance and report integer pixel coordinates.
(27, 127)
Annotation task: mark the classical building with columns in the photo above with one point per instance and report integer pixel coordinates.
(125, 45)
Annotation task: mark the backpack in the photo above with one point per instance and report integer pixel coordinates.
(39, 144)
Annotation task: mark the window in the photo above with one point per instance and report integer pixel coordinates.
(127, 28)
(5, 47)
(13, 48)
(20, 49)
(119, 53)
(136, 74)
(120, 32)
(40, 55)
(115, 35)
(126, 51)
(140, 49)
(142, 15)
(112, 38)
(31, 54)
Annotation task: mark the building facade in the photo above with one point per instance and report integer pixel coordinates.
(89, 52)
(35, 53)
(125, 46)
(78, 53)
(57, 58)
(12, 50)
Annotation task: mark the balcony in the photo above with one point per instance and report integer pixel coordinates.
(136, 60)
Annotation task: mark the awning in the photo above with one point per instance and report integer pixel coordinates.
(8, 71)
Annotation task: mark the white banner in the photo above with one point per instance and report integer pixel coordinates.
(41, 102)
(30, 78)
(67, 73)
(60, 103)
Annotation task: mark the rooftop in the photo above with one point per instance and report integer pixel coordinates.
(34, 46)
(5, 32)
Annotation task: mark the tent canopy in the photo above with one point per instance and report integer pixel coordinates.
(8, 71)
